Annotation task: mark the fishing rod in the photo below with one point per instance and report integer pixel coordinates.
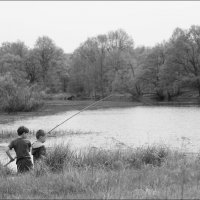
(96, 102)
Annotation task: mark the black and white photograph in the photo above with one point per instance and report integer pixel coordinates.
(99, 99)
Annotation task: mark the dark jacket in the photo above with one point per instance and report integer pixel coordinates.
(38, 150)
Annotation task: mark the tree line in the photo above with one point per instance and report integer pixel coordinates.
(110, 62)
(103, 64)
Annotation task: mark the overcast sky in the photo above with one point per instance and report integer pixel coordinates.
(70, 23)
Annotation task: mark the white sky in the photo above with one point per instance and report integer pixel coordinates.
(70, 23)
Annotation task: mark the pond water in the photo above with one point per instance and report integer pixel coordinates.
(177, 127)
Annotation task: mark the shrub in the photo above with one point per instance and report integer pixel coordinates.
(17, 97)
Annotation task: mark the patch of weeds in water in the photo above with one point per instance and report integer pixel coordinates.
(9, 134)
(69, 132)
(6, 134)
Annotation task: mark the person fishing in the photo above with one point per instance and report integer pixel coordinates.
(38, 148)
(22, 148)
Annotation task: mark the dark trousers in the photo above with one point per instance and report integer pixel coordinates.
(24, 165)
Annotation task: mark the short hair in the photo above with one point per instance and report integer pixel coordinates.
(22, 129)
(40, 133)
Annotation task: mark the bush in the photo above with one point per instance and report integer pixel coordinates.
(17, 97)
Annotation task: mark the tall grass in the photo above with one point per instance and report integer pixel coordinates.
(5, 171)
(104, 174)
(61, 156)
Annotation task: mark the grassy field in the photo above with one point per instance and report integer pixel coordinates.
(144, 173)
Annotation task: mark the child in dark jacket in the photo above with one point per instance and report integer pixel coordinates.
(38, 148)
(22, 148)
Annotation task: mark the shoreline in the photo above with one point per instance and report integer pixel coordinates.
(52, 107)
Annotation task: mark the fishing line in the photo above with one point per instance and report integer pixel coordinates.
(79, 112)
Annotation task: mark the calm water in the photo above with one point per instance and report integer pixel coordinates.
(177, 127)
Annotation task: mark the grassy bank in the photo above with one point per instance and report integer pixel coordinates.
(151, 172)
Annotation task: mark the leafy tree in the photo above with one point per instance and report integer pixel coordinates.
(97, 61)
(45, 50)
(185, 55)
(51, 61)
(33, 68)
(84, 68)
(121, 61)
(12, 57)
(13, 64)
(15, 48)
(152, 69)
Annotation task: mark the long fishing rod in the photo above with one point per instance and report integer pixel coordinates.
(96, 102)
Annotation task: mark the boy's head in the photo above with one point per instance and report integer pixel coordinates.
(41, 136)
(22, 131)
